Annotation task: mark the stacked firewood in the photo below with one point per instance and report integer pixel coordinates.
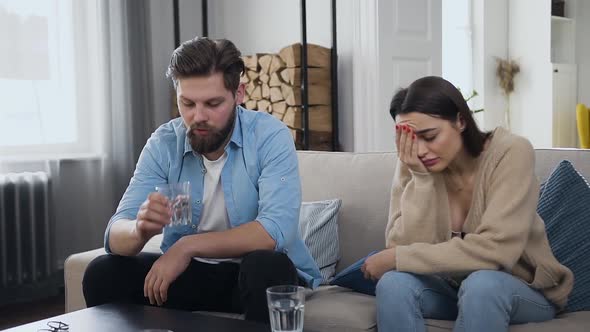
(273, 84)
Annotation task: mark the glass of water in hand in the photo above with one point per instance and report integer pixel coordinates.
(179, 202)
(286, 306)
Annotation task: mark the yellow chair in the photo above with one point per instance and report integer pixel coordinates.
(583, 119)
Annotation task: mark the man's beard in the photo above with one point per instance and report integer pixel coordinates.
(216, 137)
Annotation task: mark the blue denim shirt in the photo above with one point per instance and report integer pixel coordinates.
(260, 182)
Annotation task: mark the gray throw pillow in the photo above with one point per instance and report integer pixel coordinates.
(318, 225)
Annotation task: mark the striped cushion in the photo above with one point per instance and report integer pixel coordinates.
(318, 225)
(565, 207)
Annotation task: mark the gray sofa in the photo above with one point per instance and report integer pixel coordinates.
(362, 181)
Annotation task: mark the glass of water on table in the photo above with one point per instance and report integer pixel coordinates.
(179, 202)
(286, 306)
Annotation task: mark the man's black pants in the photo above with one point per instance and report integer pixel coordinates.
(224, 287)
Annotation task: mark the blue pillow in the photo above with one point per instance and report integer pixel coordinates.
(352, 277)
(564, 205)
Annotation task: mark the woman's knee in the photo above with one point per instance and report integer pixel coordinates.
(398, 285)
(484, 284)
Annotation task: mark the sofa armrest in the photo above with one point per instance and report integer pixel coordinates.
(75, 266)
(74, 269)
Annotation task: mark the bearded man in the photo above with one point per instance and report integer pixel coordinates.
(245, 198)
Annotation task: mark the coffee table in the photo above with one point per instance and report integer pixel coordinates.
(135, 318)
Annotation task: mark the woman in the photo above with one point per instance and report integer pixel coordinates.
(463, 239)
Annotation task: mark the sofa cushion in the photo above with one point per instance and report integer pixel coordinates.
(333, 308)
(318, 226)
(343, 310)
(570, 322)
(564, 205)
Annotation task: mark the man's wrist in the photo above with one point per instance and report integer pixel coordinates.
(186, 246)
(141, 237)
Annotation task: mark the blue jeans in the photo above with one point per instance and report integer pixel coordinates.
(485, 301)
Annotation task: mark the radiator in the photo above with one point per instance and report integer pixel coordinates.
(26, 250)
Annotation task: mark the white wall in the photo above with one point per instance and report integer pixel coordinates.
(345, 16)
(367, 99)
(529, 44)
(495, 46)
(266, 26)
(457, 44)
(190, 18)
(490, 31)
(582, 17)
(477, 21)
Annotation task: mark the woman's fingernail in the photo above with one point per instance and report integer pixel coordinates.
(413, 136)
(396, 127)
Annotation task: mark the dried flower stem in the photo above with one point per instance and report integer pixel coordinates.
(506, 70)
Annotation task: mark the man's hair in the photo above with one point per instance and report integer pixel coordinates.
(202, 56)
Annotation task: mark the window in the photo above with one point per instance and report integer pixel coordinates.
(40, 79)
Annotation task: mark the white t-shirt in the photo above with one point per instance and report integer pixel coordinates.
(214, 216)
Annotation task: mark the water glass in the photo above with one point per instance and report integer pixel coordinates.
(286, 306)
(179, 202)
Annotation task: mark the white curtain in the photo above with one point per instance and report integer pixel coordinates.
(113, 83)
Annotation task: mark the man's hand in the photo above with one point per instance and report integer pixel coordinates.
(376, 265)
(153, 215)
(164, 271)
(407, 148)
(127, 237)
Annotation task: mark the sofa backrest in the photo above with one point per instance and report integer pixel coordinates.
(363, 182)
(547, 159)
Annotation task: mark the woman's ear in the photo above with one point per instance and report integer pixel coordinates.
(460, 123)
